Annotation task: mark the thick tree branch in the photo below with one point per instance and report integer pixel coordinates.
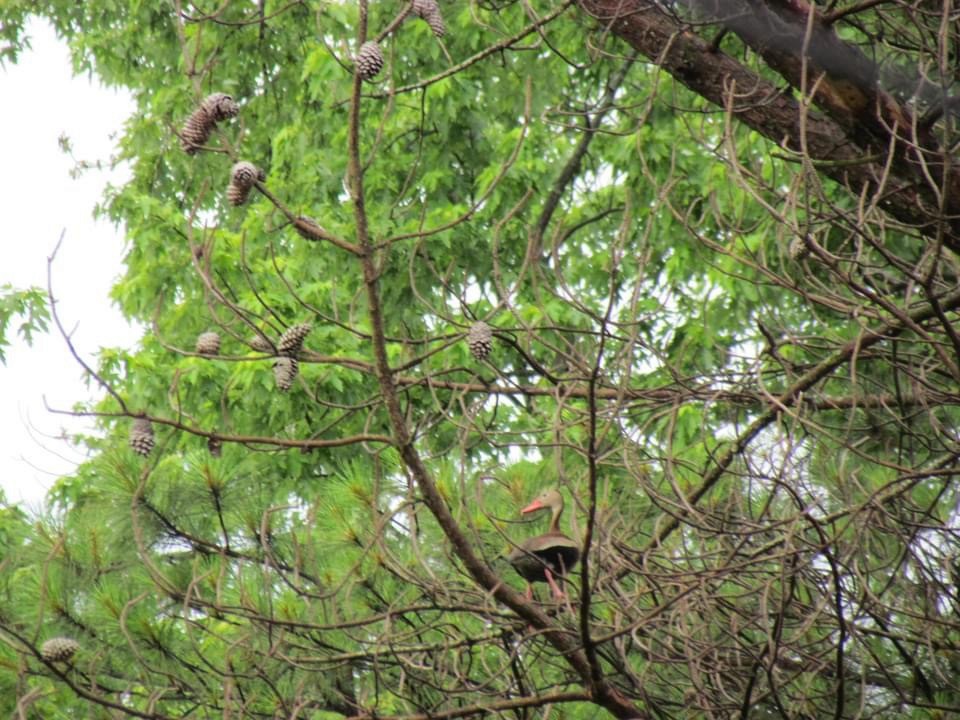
(773, 112)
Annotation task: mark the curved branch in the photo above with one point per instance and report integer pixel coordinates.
(66, 336)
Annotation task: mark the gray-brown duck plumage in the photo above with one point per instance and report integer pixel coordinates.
(548, 556)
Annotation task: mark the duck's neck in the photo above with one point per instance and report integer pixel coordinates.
(555, 518)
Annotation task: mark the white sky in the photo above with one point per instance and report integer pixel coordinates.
(41, 100)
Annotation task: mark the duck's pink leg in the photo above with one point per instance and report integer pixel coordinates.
(529, 592)
(557, 592)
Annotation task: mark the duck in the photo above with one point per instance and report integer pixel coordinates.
(547, 557)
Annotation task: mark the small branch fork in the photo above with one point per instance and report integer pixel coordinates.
(67, 337)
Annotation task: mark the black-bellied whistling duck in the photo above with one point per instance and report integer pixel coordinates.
(541, 558)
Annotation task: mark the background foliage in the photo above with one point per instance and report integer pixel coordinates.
(723, 325)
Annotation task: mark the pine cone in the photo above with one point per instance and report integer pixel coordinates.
(245, 174)
(369, 60)
(260, 344)
(242, 177)
(798, 249)
(208, 343)
(236, 195)
(429, 10)
(215, 446)
(285, 371)
(59, 649)
(291, 342)
(220, 106)
(196, 130)
(141, 436)
(480, 340)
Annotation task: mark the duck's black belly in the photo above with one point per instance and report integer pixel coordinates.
(531, 563)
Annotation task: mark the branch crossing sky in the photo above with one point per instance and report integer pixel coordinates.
(44, 101)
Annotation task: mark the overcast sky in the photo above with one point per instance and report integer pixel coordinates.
(42, 101)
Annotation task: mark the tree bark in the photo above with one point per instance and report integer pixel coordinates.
(860, 129)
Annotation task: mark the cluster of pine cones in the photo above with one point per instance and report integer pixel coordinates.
(244, 175)
(286, 367)
(196, 131)
(369, 58)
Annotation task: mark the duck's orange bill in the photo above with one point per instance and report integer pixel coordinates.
(535, 505)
